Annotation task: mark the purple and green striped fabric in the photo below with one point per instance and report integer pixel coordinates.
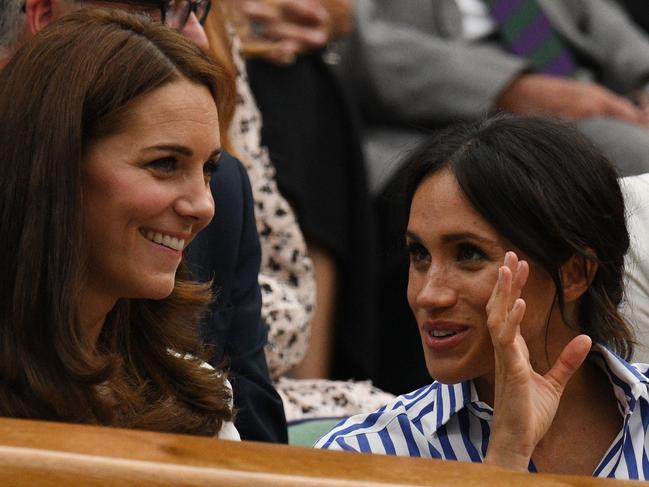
(528, 33)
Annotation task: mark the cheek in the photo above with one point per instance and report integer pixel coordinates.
(539, 295)
(478, 290)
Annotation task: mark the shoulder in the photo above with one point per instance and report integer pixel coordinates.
(397, 428)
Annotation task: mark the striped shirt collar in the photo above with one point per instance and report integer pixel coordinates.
(628, 380)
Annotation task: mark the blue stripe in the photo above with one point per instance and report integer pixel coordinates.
(449, 454)
(629, 457)
(434, 453)
(465, 431)
(439, 404)
(423, 391)
(487, 410)
(451, 393)
(607, 459)
(387, 442)
(396, 405)
(363, 444)
(486, 433)
(631, 369)
(423, 412)
(413, 449)
(369, 421)
(343, 445)
(466, 392)
(644, 414)
(621, 384)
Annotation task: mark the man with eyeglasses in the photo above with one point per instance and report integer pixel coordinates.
(21, 19)
(226, 251)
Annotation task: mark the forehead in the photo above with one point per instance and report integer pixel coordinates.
(439, 207)
(178, 101)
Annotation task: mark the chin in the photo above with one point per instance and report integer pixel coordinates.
(448, 373)
(160, 289)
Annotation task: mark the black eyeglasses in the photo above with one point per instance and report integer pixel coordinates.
(175, 13)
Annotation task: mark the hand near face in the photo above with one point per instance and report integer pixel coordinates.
(295, 26)
(525, 402)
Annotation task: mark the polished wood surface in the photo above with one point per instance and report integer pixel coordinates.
(41, 453)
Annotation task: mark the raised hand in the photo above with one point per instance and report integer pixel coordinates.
(525, 402)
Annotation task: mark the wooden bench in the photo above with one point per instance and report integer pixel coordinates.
(41, 453)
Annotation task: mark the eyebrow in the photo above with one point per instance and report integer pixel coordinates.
(182, 150)
(457, 237)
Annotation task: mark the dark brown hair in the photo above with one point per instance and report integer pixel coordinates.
(63, 90)
(545, 188)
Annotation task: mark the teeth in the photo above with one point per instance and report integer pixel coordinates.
(442, 333)
(166, 240)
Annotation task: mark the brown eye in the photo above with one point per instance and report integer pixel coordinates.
(164, 164)
(417, 252)
(470, 253)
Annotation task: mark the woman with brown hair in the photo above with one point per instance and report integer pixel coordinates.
(110, 136)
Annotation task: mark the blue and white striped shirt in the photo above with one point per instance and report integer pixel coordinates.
(448, 421)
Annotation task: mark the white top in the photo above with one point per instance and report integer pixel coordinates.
(448, 421)
(228, 431)
(635, 306)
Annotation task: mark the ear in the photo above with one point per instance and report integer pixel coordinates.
(576, 275)
(40, 13)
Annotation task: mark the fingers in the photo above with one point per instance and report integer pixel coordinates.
(571, 358)
(263, 12)
(308, 12)
(305, 23)
(623, 109)
(505, 309)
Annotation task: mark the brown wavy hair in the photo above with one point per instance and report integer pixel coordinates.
(68, 87)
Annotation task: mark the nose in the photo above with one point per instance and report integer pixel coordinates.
(196, 203)
(433, 289)
(194, 31)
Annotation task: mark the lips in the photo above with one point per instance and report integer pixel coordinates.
(443, 335)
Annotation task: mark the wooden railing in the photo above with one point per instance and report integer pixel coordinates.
(41, 453)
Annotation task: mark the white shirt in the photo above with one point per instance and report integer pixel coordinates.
(448, 421)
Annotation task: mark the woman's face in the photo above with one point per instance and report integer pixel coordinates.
(455, 255)
(146, 191)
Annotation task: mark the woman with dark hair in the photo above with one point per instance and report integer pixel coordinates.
(516, 239)
(110, 135)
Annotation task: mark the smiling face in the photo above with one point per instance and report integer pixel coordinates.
(455, 255)
(146, 193)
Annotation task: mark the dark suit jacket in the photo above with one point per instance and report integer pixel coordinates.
(228, 251)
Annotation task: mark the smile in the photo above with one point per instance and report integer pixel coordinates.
(442, 336)
(165, 240)
(443, 333)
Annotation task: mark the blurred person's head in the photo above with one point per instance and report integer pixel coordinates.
(21, 19)
(110, 134)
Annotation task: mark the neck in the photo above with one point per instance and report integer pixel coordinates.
(93, 309)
